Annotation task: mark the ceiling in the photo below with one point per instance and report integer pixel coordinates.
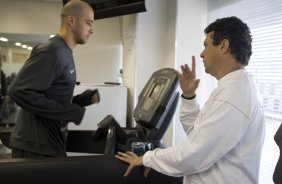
(27, 39)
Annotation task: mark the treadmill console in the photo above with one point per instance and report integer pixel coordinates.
(153, 100)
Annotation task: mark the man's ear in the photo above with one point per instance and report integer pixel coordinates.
(70, 20)
(224, 46)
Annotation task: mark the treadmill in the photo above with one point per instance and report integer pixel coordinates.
(156, 106)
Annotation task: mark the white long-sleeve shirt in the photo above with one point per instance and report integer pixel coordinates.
(224, 139)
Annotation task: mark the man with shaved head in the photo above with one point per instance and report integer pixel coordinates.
(44, 88)
(77, 18)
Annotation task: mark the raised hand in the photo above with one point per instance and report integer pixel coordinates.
(187, 79)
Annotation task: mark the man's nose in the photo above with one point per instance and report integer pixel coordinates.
(91, 30)
(202, 54)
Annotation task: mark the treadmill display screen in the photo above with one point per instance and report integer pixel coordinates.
(155, 91)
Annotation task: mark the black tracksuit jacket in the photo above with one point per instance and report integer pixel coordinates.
(44, 89)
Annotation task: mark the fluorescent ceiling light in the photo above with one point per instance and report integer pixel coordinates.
(3, 39)
(18, 44)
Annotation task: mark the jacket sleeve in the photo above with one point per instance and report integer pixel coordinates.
(29, 88)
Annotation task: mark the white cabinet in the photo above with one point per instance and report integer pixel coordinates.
(113, 100)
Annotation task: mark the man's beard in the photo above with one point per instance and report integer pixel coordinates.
(80, 41)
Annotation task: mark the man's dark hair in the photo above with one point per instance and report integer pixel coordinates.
(238, 34)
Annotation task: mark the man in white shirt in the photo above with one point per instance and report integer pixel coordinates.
(225, 138)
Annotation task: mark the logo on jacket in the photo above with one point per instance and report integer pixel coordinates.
(71, 71)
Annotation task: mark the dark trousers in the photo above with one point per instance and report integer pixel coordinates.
(18, 153)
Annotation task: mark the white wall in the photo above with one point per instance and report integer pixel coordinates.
(191, 21)
(100, 59)
(22, 16)
(129, 66)
(151, 41)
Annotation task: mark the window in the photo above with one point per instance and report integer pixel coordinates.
(264, 18)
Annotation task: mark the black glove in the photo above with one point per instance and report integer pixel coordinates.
(85, 98)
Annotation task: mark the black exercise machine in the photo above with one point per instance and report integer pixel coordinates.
(156, 106)
(153, 113)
